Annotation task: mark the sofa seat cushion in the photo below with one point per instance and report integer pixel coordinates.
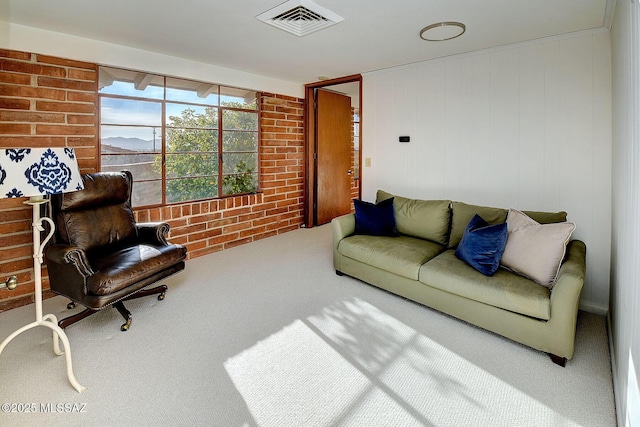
(401, 255)
(504, 289)
(127, 266)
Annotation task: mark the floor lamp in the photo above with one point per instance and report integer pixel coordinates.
(34, 173)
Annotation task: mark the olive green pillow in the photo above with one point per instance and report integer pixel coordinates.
(426, 219)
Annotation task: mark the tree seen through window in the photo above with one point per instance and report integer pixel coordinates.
(182, 141)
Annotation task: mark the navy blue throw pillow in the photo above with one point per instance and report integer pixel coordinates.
(482, 245)
(377, 220)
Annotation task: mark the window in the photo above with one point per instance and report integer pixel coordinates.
(356, 143)
(182, 140)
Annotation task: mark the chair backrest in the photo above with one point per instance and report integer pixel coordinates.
(99, 216)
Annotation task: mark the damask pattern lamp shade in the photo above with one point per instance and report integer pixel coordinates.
(28, 172)
(34, 173)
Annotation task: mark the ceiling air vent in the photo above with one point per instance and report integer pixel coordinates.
(300, 17)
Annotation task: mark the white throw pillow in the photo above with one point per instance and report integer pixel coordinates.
(535, 250)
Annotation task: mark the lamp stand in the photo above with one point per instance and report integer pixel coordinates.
(49, 320)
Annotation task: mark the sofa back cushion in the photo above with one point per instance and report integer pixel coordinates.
(462, 213)
(547, 217)
(426, 219)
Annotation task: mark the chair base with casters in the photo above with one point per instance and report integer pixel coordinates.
(68, 321)
(101, 257)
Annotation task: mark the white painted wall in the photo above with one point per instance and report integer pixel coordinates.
(525, 126)
(29, 39)
(624, 318)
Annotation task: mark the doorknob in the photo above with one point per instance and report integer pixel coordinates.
(349, 172)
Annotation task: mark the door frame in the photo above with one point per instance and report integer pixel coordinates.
(310, 165)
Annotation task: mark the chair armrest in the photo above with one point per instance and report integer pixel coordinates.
(68, 270)
(64, 255)
(153, 232)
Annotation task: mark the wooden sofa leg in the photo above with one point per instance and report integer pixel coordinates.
(562, 361)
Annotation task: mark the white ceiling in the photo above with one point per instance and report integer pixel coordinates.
(375, 34)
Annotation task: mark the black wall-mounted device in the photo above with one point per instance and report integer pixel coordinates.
(404, 138)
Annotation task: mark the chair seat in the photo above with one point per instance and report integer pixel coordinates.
(120, 269)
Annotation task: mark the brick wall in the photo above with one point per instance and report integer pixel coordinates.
(47, 101)
(44, 102)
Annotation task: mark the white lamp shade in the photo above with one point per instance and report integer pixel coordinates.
(26, 172)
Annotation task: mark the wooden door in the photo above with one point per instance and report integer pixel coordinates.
(333, 155)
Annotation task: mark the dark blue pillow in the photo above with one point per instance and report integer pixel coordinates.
(377, 220)
(482, 245)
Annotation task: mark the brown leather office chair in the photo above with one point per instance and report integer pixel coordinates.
(100, 256)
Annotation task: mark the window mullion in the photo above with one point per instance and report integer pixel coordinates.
(220, 153)
(163, 150)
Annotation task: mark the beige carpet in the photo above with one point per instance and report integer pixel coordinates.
(266, 334)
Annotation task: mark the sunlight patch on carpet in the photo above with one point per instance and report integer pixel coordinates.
(353, 364)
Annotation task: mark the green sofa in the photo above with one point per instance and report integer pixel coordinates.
(420, 264)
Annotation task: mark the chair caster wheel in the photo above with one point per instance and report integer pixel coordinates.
(161, 297)
(125, 327)
(71, 305)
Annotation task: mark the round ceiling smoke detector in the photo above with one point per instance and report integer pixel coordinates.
(442, 31)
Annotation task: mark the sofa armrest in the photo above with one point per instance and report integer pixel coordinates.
(575, 262)
(342, 226)
(572, 272)
(565, 297)
(153, 232)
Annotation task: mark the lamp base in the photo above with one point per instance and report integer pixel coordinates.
(51, 322)
(48, 320)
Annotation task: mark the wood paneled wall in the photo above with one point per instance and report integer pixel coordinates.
(526, 126)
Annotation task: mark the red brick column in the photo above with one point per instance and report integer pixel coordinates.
(44, 102)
